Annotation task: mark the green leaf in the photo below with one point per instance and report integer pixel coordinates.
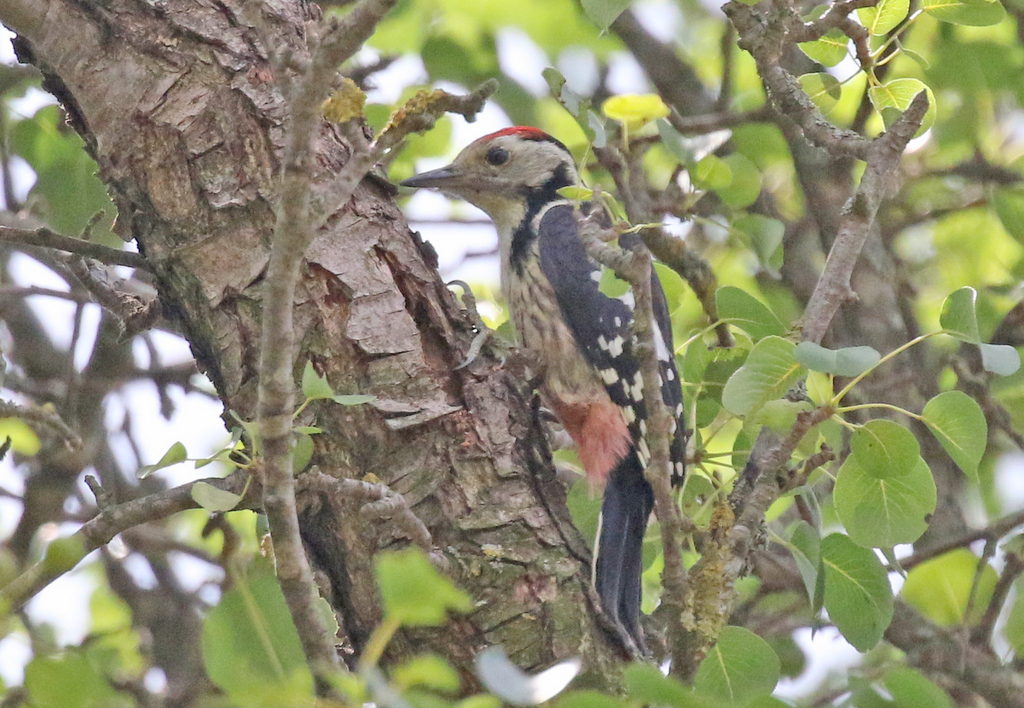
(427, 671)
(848, 361)
(748, 313)
(250, 646)
(213, 499)
(1009, 207)
(769, 371)
(1000, 359)
(579, 194)
(315, 386)
(1014, 630)
(739, 668)
(603, 12)
(745, 187)
(976, 13)
(898, 94)
(805, 545)
(413, 592)
(353, 399)
(823, 89)
(507, 681)
(858, 597)
(959, 318)
(883, 512)
(646, 683)
(912, 690)
(302, 451)
(67, 192)
(175, 453)
(765, 236)
(712, 173)
(829, 49)
(940, 588)
(884, 17)
(884, 448)
(956, 420)
(63, 554)
(67, 681)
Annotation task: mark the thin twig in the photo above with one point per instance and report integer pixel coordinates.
(44, 238)
(103, 527)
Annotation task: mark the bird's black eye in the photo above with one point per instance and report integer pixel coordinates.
(497, 155)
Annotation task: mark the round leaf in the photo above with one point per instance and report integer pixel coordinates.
(898, 94)
(315, 386)
(976, 13)
(23, 439)
(858, 597)
(1000, 359)
(635, 110)
(646, 683)
(712, 173)
(748, 313)
(956, 420)
(958, 317)
(745, 186)
(940, 588)
(849, 361)
(767, 374)
(413, 592)
(884, 449)
(881, 513)
(823, 89)
(765, 238)
(883, 17)
(603, 12)
(250, 643)
(739, 668)
(829, 49)
(912, 690)
(213, 499)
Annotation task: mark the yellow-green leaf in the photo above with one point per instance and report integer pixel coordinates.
(635, 110)
(885, 16)
(823, 89)
(898, 94)
(827, 50)
(23, 439)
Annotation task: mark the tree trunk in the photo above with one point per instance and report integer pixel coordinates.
(178, 104)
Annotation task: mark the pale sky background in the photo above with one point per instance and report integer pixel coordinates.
(196, 421)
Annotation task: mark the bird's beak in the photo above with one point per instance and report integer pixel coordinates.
(443, 178)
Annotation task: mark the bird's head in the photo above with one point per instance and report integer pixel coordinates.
(504, 173)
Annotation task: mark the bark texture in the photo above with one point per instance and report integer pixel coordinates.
(178, 104)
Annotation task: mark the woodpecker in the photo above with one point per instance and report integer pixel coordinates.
(576, 338)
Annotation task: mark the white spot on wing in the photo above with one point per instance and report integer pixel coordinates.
(609, 376)
(615, 347)
(659, 344)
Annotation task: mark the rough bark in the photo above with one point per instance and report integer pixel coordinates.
(179, 106)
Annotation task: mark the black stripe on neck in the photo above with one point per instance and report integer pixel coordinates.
(536, 198)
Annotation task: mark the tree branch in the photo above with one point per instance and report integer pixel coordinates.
(64, 554)
(44, 238)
